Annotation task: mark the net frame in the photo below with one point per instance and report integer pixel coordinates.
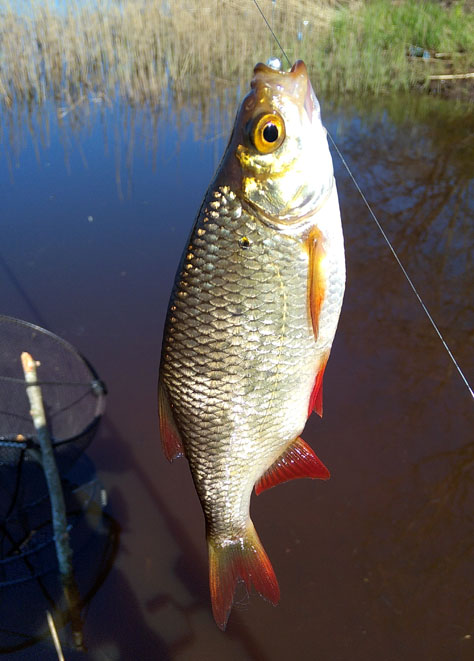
(74, 396)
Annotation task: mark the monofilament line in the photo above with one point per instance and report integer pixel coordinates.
(387, 240)
(271, 30)
(404, 271)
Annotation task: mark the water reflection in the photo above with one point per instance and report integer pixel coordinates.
(420, 552)
(419, 180)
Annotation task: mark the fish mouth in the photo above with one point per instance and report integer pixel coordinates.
(294, 83)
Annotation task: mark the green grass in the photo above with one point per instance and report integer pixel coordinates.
(427, 24)
(366, 46)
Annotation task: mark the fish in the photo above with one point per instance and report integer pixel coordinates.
(250, 323)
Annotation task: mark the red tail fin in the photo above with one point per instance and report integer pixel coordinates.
(243, 559)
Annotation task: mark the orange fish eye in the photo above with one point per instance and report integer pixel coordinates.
(267, 132)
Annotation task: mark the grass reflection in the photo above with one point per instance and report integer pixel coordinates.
(421, 544)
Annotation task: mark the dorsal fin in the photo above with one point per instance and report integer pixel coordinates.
(170, 439)
(298, 460)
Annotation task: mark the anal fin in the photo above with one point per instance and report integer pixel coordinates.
(298, 460)
(170, 439)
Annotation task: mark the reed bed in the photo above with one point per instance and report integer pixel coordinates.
(145, 50)
(138, 49)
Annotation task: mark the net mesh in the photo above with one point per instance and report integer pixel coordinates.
(73, 397)
(29, 579)
(27, 548)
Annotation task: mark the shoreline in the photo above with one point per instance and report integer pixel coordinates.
(146, 52)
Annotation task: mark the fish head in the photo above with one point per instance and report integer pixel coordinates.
(278, 156)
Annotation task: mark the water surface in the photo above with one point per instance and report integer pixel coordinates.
(95, 208)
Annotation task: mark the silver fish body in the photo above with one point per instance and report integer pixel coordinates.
(250, 324)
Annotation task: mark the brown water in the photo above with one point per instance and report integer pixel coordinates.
(377, 563)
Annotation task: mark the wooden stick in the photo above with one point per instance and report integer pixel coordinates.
(54, 636)
(452, 76)
(56, 496)
(53, 480)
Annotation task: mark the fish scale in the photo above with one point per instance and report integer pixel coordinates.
(262, 348)
(251, 320)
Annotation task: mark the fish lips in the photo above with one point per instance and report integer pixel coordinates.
(294, 83)
(311, 103)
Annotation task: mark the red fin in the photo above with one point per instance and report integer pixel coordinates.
(317, 278)
(316, 399)
(298, 460)
(172, 444)
(245, 559)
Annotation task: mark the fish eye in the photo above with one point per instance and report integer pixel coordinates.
(267, 132)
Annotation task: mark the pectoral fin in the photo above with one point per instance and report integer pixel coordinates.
(298, 460)
(316, 399)
(316, 278)
(172, 444)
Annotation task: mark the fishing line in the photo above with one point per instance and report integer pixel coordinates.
(271, 30)
(387, 240)
(410, 281)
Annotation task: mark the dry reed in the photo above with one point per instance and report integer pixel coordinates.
(143, 50)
